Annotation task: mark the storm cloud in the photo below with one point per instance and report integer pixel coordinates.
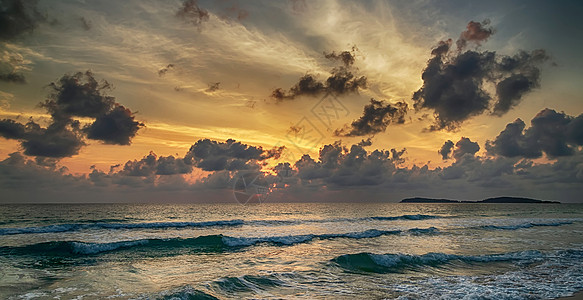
(377, 116)
(553, 133)
(78, 95)
(454, 80)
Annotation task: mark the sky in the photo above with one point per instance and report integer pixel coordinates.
(180, 101)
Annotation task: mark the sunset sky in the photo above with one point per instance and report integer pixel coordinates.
(114, 101)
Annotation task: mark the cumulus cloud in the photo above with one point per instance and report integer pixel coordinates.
(446, 149)
(454, 80)
(342, 80)
(465, 146)
(190, 12)
(230, 155)
(116, 127)
(154, 165)
(57, 140)
(78, 95)
(338, 166)
(553, 133)
(462, 148)
(18, 17)
(377, 116)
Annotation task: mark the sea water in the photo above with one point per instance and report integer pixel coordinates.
(291, 251)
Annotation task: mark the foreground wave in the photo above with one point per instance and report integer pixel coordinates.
(392, 263)
(161, 225)
(203, 243)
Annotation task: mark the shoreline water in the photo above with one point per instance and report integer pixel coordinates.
(576, 296)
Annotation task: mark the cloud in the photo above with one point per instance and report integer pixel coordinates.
(213, 87)
(78, 95)
(165, 70)
(376, 118)
(11, 63)
(57, 140)
(116, 127)
(553, 133)
(524, 77)
(154, 165)
(190, 12)
(462, 148)
(453, 81)
(446, 149)
(86, 24)
(346, 57)
(230, 155)
(465, 146)
(342, 80)
(475, 32)
(340, 167)
(18, 17)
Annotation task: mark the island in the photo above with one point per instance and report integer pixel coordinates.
(489, 200)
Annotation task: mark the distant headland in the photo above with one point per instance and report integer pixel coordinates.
(489, 200)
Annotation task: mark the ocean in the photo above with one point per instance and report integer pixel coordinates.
(291, 251)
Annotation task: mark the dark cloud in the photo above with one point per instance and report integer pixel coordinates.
(11, 129)
(365, 143)
(165, 70)
(116, 127)
(553, 133)
(376, 117)
(475, 32)
(86, 24)
(57, 140)
(465, 146)
(339, 166)
(446, 149)
(154, 165)
(18, 17)
(342, 80)
(12, 77)
(78, 95)
(462, 147)
(192, 13)
(10, 63)
(346, 57)
(524, 77)
(231, 10)
(453, 81)
(230, 155)
(215, 86)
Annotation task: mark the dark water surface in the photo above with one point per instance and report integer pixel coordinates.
(291, 251)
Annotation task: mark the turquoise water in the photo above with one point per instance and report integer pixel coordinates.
(291, 251)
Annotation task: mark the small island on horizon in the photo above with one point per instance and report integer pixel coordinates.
(489, 200)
